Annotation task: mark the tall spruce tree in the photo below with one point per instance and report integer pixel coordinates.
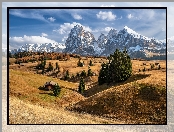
(67, 75)
(81, 87)
(90, 63)
(118, 69)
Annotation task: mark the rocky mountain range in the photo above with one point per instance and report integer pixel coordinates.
(83, 42)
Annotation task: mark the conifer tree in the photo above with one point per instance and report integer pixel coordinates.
(56, 90)
(89, 72)
(81, 87)
(118, 69)
(90, 63)
(66, 75)
(83, 73)
(79, 63)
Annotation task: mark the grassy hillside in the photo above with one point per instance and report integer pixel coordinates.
(25, 85)
(133, 103)
(140, 99)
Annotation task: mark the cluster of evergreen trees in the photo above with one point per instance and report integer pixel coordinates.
(56, 90)
(41, 66)
(119, 68)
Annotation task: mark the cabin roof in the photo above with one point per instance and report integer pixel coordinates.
(50, 83)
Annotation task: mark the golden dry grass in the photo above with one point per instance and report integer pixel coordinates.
(124, 103)
(24, 112)
(105, 101)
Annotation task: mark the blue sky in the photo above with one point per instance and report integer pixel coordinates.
(54, 25)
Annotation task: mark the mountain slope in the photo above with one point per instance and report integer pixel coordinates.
(79, 41)
(83, 42)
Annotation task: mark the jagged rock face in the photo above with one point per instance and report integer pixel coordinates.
(102, 39)
(79, 41)
(83, 42)
(129, 39)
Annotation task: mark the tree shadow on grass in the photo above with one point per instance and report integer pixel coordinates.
(51, 94)
(42, 88)
(99, 88)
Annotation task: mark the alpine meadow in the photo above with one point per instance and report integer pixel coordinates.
(89, 66)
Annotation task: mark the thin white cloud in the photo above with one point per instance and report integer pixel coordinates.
(76, 16)
(19, 41)
(44, 34)
(107, 29)
(32, 15)
(106, 16)
(51, 19)
(66, 28)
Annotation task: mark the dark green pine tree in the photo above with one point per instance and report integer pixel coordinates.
(83, 73)
(121, 66)
(103, 74)
(90, 63)
(56, 90)
(118, 69)
(67, 75)
(89, 72)
(57, 66)
(81, 87)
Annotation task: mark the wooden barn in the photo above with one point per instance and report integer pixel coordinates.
(49, 85)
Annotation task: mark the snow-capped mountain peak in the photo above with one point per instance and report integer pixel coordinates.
(83, 42)
(40, 47)
(135, 34)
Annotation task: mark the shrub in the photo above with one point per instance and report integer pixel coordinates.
(152, 66)
(66, 77)
(56, 90)
(40, 66)
(81, 87)
(159, 67)
(90, 63)
(80, 64)
(78, 75)
(50, 67)
(118, 69)
(83, 73)
(72, 76)
(89, 71)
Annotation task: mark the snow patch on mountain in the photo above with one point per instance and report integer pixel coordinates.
(83, 42)
(137, 48)
(41, 47)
